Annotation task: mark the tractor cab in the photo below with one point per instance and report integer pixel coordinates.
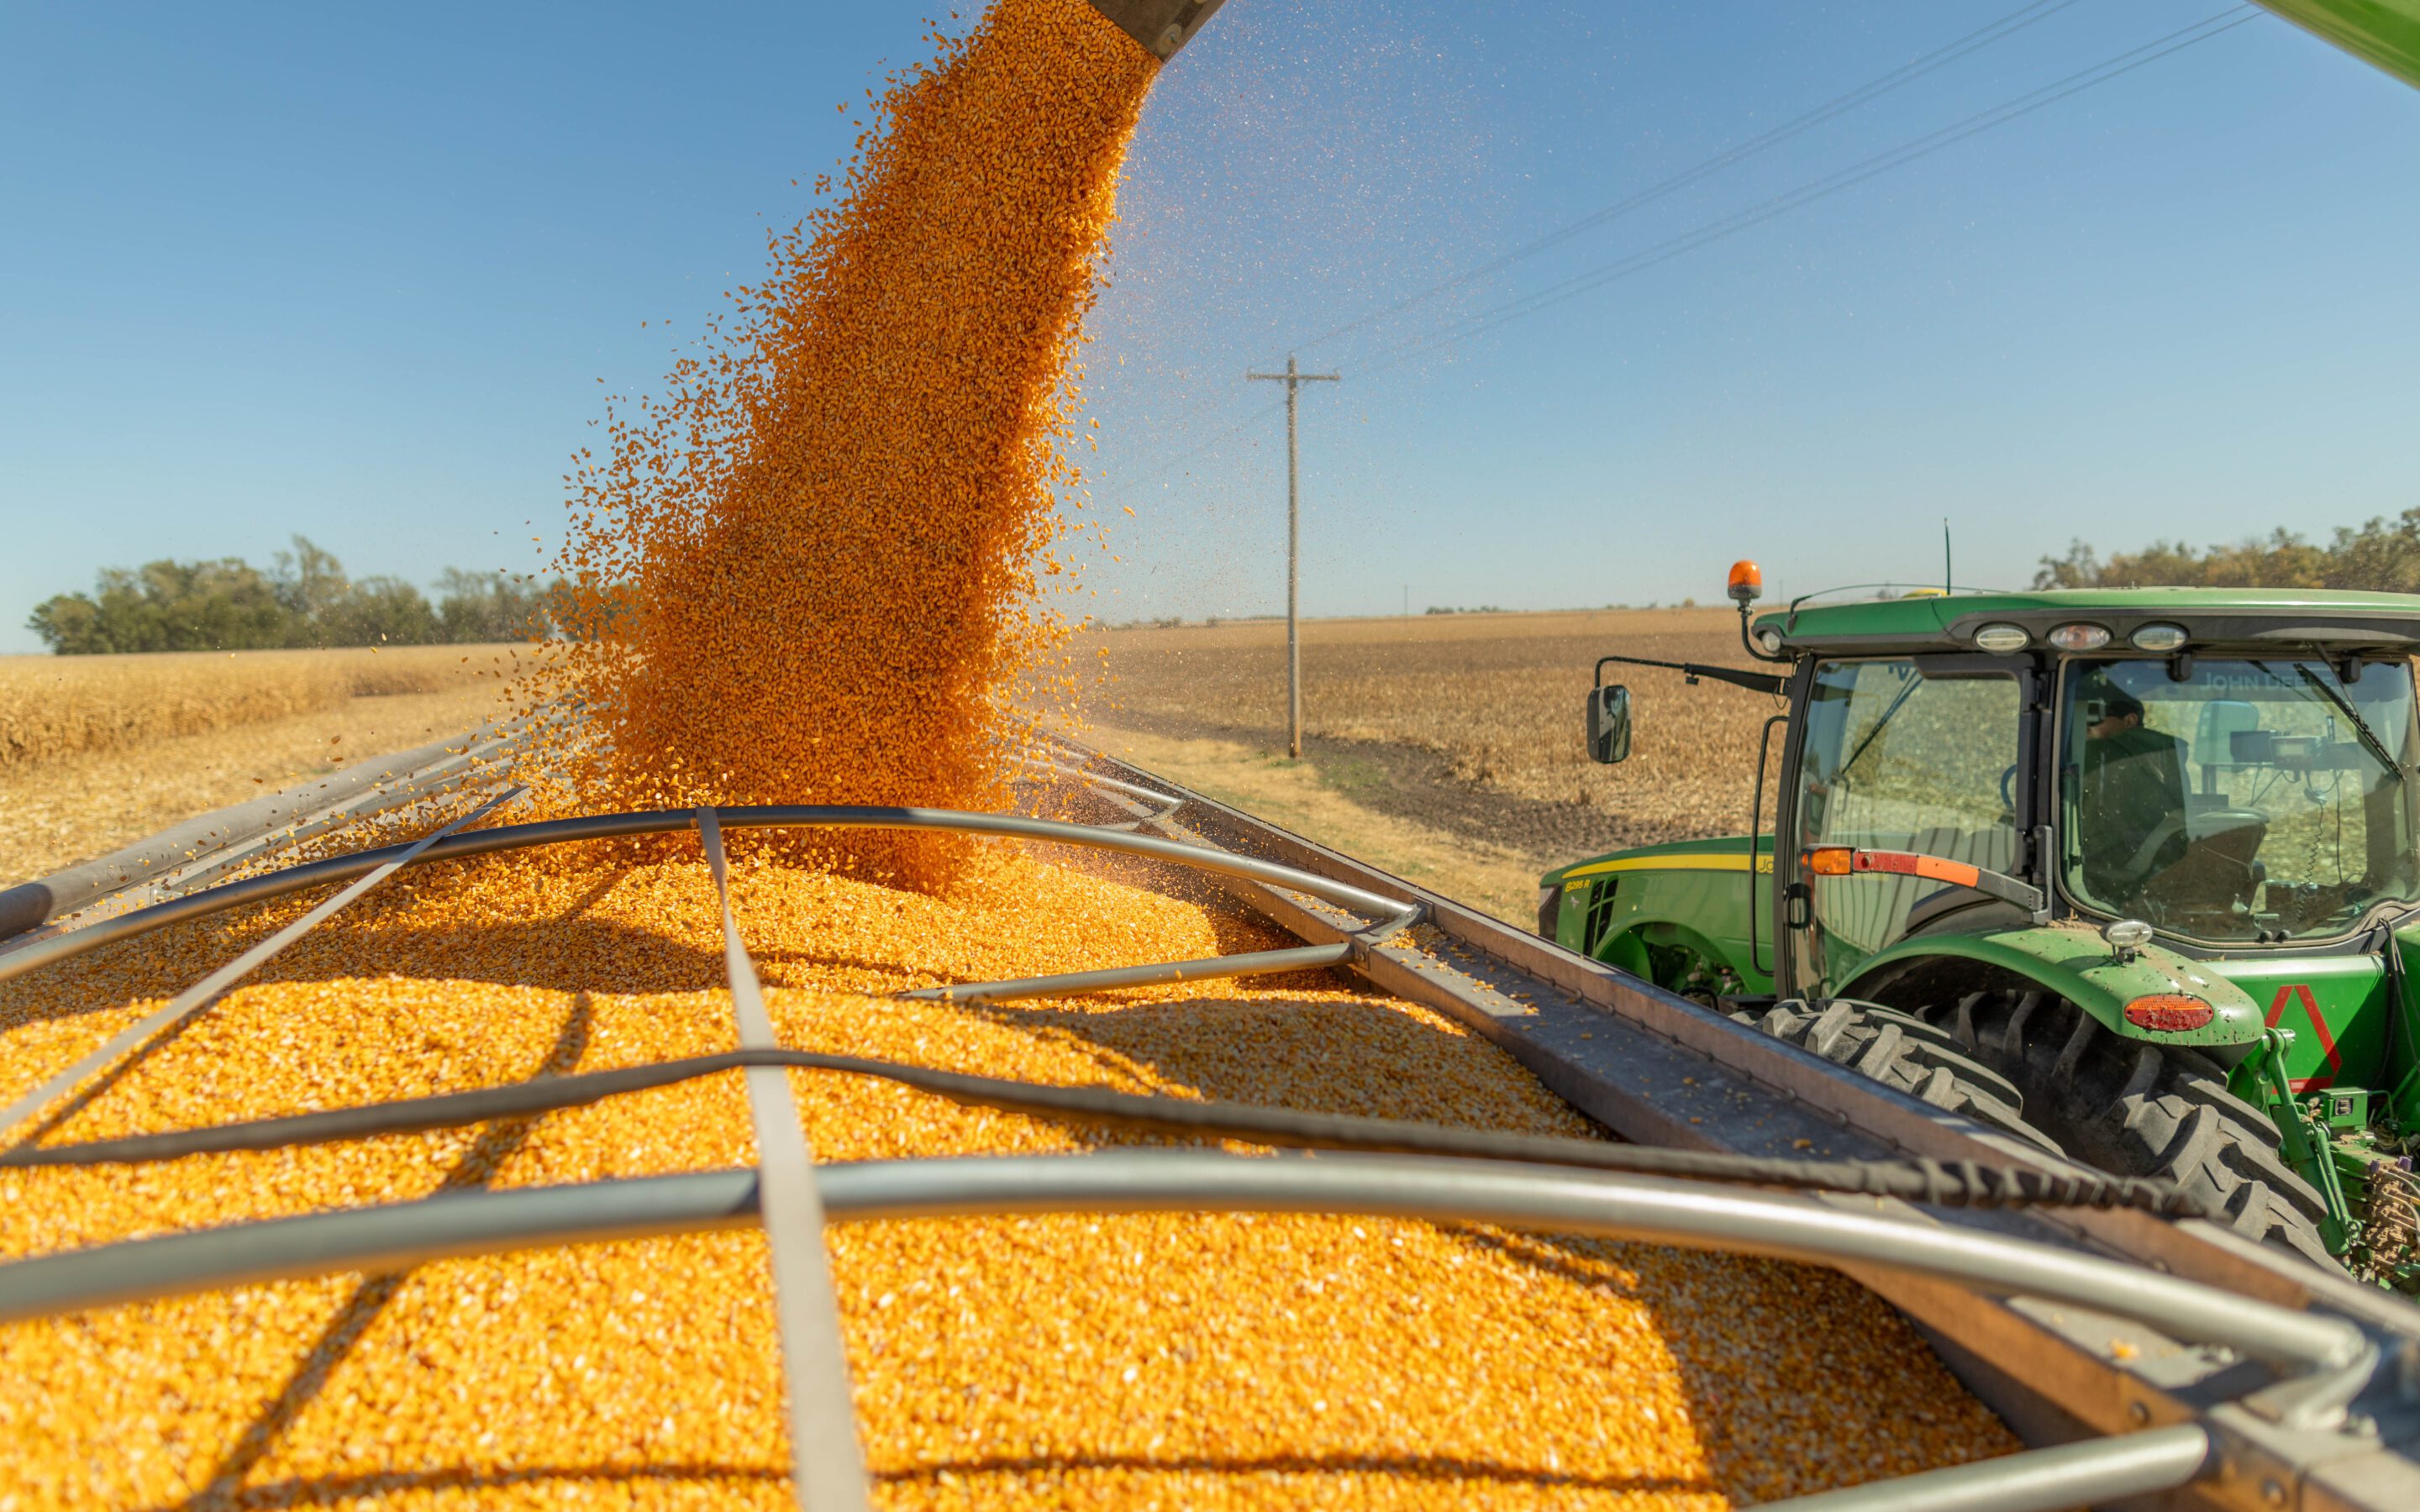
(2180, 820)
(2232, 802)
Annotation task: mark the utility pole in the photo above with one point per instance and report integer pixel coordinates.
(1294, 378)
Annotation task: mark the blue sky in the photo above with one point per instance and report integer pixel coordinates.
(357, 272)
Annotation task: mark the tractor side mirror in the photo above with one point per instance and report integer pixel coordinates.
(1608, 724)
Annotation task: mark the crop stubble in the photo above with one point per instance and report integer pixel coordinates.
(97, 752)
(1493, 701)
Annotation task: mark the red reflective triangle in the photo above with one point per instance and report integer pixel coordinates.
(2318, 1026)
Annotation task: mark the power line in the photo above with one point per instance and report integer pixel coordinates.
(2108, 68)
(1941, 57)
(1807, 194)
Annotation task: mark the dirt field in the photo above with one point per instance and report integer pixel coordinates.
(1447, 748)
(100, 752)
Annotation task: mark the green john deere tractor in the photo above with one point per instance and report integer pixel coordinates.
(2133, 874)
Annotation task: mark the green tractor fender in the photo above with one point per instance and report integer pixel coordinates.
(1678, 958)
(2072, 961)
(1678, 914)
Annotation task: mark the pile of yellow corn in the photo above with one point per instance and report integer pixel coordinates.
(1161, 1360)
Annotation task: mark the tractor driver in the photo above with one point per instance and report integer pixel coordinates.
(2131, 794)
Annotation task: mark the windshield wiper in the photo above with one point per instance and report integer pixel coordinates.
(1840, 773)
(2344, 705)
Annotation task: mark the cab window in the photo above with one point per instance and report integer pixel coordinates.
(1896, 760)
(2254, 801)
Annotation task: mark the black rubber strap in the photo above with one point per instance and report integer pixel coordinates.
(1953, 1184)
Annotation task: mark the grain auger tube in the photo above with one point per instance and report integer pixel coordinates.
(1162, 27)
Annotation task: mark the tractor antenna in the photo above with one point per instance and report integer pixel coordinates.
(1948, 579)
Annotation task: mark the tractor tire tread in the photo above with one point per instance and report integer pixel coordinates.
(1901, 1052)
(2137, 1110)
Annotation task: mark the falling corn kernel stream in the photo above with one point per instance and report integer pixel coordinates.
(813, 573)
(821, 567)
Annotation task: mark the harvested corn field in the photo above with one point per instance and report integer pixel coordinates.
(53, 707)
(1465, 726)
(1042, 1360)
(112, 748)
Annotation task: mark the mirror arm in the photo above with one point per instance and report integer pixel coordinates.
(1772, 683)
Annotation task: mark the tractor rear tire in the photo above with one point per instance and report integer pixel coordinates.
(2136, 1109)
(1902, 1051)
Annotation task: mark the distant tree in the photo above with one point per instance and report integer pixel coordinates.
(2381, 555)
(70, 624)
(2079, 568)
(473, 608)
(224, 604)
(325, 607)
(311, 584)
(378, 611)
(305, 599)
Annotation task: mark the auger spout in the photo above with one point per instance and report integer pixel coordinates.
(1162, 26)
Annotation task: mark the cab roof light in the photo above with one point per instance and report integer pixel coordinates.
(2079, 636)
(2000, 639)
(2160, 638)
(2169, 1012)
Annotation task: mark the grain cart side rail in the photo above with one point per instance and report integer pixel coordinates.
(1658, 1070)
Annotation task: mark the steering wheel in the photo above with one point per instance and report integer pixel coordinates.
(2008, 781)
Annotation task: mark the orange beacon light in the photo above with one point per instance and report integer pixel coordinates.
(1746, 582)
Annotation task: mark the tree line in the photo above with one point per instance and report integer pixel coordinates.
(2382, 556)
(305, 599)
